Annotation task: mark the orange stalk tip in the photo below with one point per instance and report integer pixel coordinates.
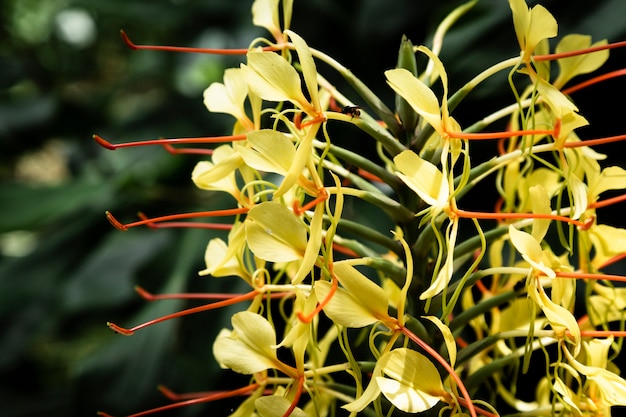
(120, 330)
(104, 143)
(103, 414)
(114, 222)
(127, 40)
(143, 293)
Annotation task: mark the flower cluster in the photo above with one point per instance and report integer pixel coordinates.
(448, 323)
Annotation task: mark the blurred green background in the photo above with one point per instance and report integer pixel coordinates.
(65, 74)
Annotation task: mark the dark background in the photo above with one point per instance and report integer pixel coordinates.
(64, 271)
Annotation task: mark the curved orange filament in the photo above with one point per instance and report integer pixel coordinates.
(192, 151)
(210, 139)
(584, 51)
(208, 398)
(320, 306)
(594, 142)
(607, 202)
(345, 251)
(234, 300)
(240, 51)
(496, 216)
(202, 296)
(435, 355)
(296, 398)
(595, 80)
(193, 215)
(501, 135)
(586, 275)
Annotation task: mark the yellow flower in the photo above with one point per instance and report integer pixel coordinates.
(531, 26)
(412, 383)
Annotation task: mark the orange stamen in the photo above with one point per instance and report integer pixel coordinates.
(204, 296)
(368, 175)
(593, 142)
(192, 151)
(193, 215)
(607, 202)
(296, 398)
(586, 275)
(195, 225)
(496, 216)
(208, 398)
(234, 300)
(595, 80)
(321, 304)
(466, 399)
(211, 139)
(240, 51)
(500, 135)
(552, 57)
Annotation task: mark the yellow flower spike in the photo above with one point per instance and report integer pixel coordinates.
(229, 97)
(274, 233)
(249, 347)
(531, 26)
(358, 303)
(272, 78)
(268, 151)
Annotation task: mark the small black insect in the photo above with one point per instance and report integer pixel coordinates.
(354, 111)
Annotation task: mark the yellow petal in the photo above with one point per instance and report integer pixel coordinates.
(276, 406)
(228, 97)
(414, 384)
(530, 250)
(611, 178)
(423, 178)
(311, 253)
(274, 233)
(265, 14)
(218, 264)
(540, 203)
(249, 347)
(417, 94)
(309, 71)
(358, 303)
(580, 64)
(448, 338)
(272, 78)
(269, 151)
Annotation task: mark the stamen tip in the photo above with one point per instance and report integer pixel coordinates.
(104, 143)
(120, 330)
(103, 414)
(115, 222)
(127, 40)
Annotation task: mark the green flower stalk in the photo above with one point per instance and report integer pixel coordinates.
(449, 321)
